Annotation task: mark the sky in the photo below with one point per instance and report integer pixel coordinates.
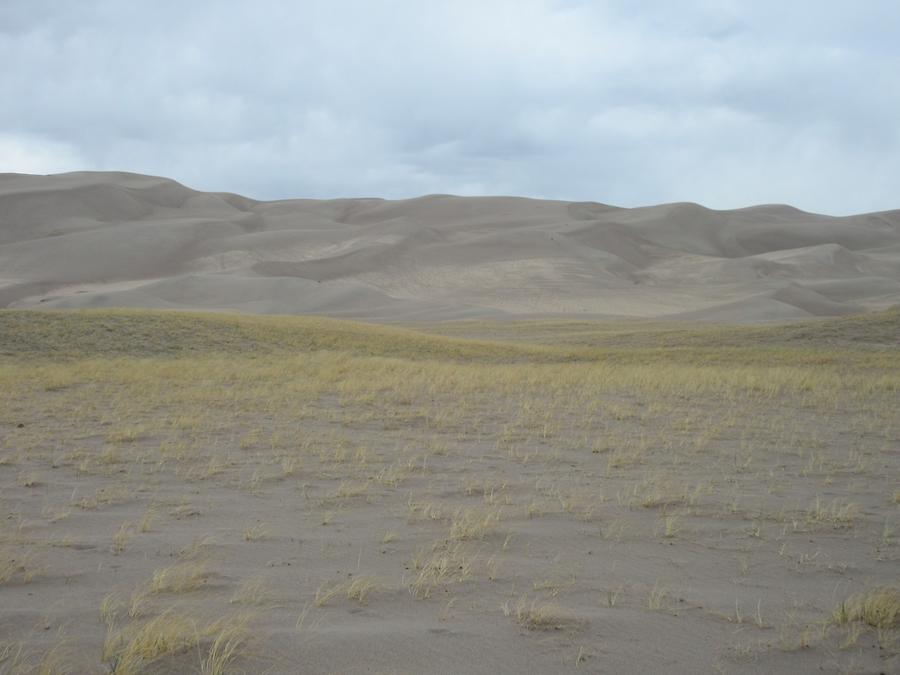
(723, 102)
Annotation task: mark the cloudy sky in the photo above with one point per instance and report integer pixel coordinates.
(629, 102)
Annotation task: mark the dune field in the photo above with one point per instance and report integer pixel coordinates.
(507, 435)
(113, 239)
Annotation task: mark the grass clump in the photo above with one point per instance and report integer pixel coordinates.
(537, 615)
(443, 565)
(228, 637)
(879, 608)
(134, 648)
(130, 650)
(179, 578)
(469, 524)
(360, 588)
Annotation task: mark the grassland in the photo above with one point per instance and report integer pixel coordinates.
(218, 493)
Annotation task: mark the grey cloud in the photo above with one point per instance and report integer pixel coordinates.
(726, 103)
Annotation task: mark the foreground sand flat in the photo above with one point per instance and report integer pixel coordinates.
(214, 493)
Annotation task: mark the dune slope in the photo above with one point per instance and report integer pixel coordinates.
(116, 239)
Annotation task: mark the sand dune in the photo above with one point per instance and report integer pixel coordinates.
(118, 239)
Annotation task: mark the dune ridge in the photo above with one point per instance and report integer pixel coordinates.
(98, 239)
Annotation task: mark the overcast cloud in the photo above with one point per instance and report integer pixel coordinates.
(727, 103)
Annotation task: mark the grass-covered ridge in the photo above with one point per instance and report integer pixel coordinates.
(147, 333)
(870, 342)
(192, 359)
(875, 330)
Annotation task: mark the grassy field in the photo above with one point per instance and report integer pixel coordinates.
(218, 493)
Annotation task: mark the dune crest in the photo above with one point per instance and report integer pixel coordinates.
(117, 239)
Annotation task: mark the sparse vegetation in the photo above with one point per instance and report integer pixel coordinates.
(318, 466)
(228, 639)
(255, 532)
(879, 608)
(16, 565)
(253, 591)
(536, 615)
(131, 649)
(360, 588)
(443, 564)
(468, 524)
(186, 576)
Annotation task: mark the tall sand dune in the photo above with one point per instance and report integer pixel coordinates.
(117, 239)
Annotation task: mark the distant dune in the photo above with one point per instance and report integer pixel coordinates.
(118, 239)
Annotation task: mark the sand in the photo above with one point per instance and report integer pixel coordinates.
(115, 239)
(663, 440)
(346, 498)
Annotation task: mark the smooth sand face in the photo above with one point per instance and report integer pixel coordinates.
(111, 239)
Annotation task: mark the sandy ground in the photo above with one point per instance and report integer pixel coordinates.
(114, 239)
(656, 492)
(338, 510)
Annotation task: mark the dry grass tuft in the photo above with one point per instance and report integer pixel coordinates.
(473, 523)
(15, 565)
(251, 592)
(130, 650)
(879, 608)
(56, 661)
(179, 578)
(110, 607)
(326, 591)
(838, 513)
(360, 588)
(136, 647)
(348, 489)
(444, 564)
(657, 598)
(228, 638)
(538, 615)
(120, 539)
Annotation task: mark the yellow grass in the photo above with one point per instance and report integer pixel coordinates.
(179, 578)
(360, 588)
(879, 608)
(129, 650)
(228, 638)
(444, 564)
(132, 649)
(537, 615)
(475, 523)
